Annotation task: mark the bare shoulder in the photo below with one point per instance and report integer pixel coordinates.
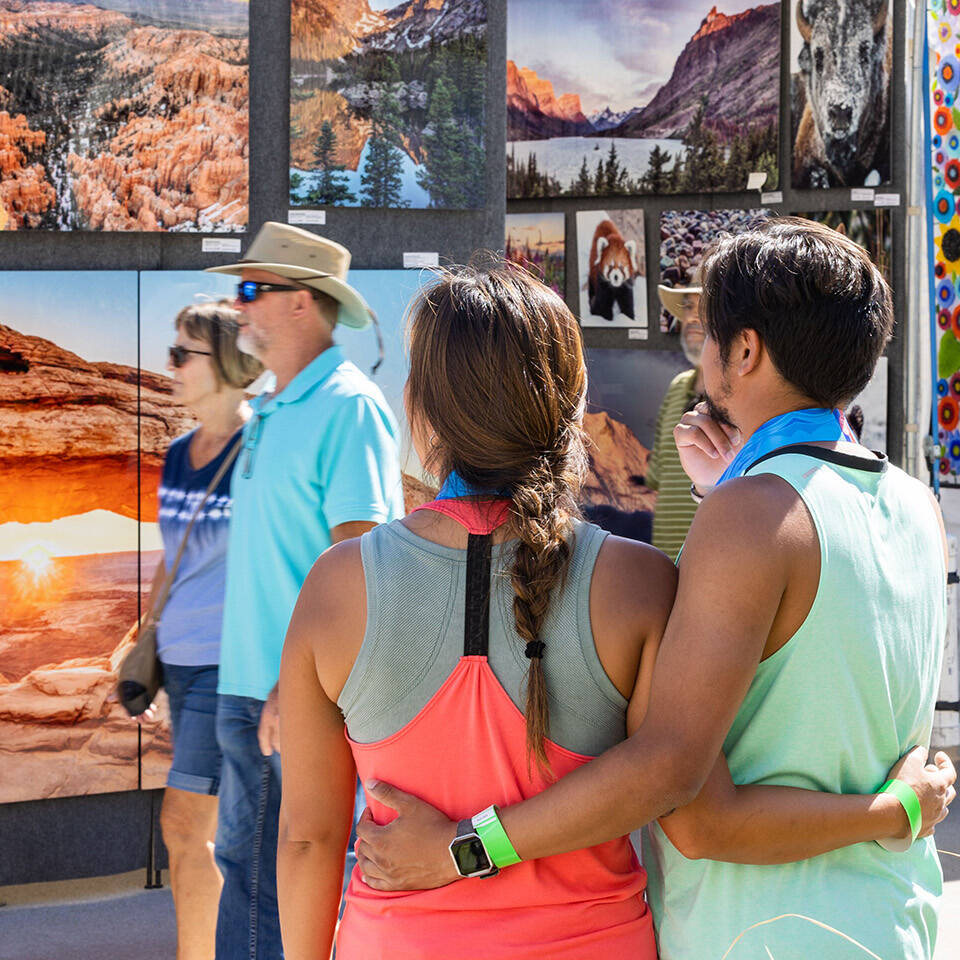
(330, 617)
(633, 580)
(752, 514)
(938, 513)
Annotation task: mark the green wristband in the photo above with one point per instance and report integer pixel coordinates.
(494, 838)
(909, 801)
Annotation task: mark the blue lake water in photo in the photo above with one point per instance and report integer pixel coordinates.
(411, 191)
(561, 157)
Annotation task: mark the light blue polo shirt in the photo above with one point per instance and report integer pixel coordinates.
(321, 453)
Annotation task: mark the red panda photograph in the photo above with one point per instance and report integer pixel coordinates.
(612, 268)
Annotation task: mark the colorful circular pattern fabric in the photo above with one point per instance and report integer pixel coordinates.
(948, 412)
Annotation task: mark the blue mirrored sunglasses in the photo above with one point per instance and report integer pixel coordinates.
(249, 290)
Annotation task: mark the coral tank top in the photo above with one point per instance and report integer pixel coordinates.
(465, 749)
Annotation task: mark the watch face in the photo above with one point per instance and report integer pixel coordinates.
(470, 856)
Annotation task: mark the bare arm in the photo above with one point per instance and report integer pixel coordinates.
(268, 732)
(773, 824)
(711, 647)
(317, 763)
(776, 824)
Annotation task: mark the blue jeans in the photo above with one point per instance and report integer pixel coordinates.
(193, 714)
(248, 925)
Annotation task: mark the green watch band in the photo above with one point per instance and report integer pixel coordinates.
(494, 838)
(908, 800)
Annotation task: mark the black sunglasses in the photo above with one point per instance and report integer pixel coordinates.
(249, 290)
(180, 355)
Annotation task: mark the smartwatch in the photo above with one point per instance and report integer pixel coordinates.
(469, 854)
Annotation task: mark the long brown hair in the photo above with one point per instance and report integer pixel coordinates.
(497, 376)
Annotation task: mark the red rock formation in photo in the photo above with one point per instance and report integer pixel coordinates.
(180, 156)
(617, 462)
(734, 58)
(328, 29)
(63, 732)
(416, 493)
(534, 112)
(68, 432)
(309, 114)
(25, 192)
(85, 24)
(171, 153)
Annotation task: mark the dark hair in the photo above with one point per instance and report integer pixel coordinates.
(815, 298)
(496, 370)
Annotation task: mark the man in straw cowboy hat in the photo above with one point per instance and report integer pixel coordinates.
(319, 464)
(674, 511)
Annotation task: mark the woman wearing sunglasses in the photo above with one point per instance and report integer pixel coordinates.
(209, 376)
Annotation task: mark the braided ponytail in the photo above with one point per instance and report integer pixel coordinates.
(497, 372)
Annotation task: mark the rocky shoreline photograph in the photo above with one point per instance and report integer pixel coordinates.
(387, 103)
(124, 115)
(587, 116)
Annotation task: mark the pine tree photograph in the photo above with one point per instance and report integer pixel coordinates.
(387, 103)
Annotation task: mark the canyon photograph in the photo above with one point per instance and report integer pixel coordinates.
(387, 103)
(124, 115)
(78, 417)
(637, 96)
(626, 388)
(535, 241)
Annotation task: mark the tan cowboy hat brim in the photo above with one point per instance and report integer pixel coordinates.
(672, 298)
(353, 312)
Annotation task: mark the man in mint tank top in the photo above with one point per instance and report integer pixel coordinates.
(805, 642)
(319, 464)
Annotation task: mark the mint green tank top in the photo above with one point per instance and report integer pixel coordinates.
(831, 710)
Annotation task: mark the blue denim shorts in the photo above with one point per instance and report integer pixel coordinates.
(193, 714)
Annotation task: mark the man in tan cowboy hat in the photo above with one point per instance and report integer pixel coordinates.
(675, 508)
(319, 464)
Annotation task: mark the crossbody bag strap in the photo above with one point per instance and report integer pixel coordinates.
(164, 592)
(476, 620)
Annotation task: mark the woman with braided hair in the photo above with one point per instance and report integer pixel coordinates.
(486, 644)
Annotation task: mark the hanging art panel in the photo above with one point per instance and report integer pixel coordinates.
(685, 236)
(943, 35)
(841, 61)
(612, 267)
(387, 103)
(626, 389)
(535, 241)
(638, 96)
(124, 115)
(389, 293)
(68, 531)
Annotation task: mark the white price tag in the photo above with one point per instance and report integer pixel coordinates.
(318, 217)
(220, 245)
(887, 200)
(775, 196)
(756, 180)
(412, 261)
(862, 194)
(637, 333)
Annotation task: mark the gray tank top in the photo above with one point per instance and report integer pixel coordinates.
(414, 639)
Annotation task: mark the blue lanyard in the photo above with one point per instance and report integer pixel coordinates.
(455, 486)
(798, 426)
